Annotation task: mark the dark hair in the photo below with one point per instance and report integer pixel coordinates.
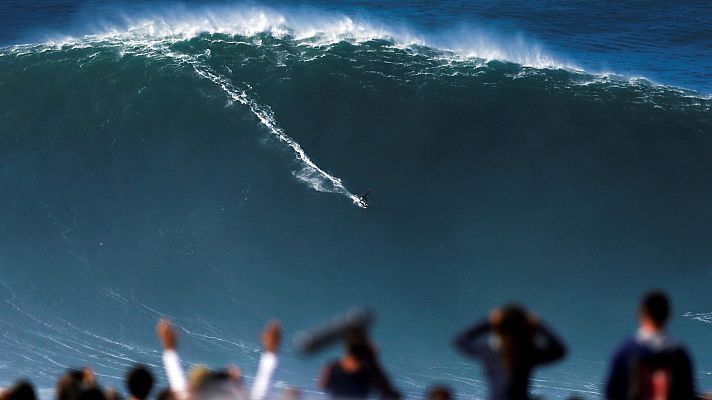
(656, 305)
(439, 392)
(517, 335)
(93, 393)
(69, 385)
(359, 346)
(22, 390)
(139, 382)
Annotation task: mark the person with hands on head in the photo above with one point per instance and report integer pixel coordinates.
(510, 344)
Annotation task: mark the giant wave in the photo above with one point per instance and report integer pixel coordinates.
(306, 36)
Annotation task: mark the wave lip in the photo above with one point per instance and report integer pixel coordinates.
(315, 28)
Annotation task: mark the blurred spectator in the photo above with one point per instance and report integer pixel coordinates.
(439, 392)
(74, 383)
(205, 383)
(650, 365)
(510, 344)
(357, 372)
(139, 382)
(22, 390)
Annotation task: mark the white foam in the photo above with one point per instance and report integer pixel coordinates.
(309, 172)
(151, 35)
(310, 27)
(315, 28)
(478, 43)
(702, 317)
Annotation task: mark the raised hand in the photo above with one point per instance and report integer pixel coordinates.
(166, 334)
(272, 336)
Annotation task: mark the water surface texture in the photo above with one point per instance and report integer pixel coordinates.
(204, 162)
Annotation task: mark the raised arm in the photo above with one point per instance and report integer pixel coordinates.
(382, 383)
(548, 346)
(472, 341)
(271, 338)
(171, 361)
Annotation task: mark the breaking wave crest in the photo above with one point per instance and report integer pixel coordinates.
(316, 29)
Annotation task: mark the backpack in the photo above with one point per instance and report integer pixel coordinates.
(660, 376)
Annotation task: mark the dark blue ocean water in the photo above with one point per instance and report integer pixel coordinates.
(201, 161)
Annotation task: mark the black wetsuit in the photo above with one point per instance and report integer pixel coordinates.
(364, 197)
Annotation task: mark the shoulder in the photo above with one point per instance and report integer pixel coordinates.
(628, 344)
(627, 348)
(680, 352)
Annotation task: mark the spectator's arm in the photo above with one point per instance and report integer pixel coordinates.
(471, 341)
(271, 338)
(382, 383)
(549, 346)
(171, 361)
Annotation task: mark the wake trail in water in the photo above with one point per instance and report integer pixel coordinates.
(702, 317)
(310, 173)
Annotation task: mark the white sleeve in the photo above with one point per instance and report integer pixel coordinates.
(176, 376)
(265, 374)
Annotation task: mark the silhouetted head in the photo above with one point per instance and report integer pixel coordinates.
(139, 381)
(439, 392)
(656, 308)
(22, 390)
(359, 346)
(517, 337)
(69, 385)
(514, 321)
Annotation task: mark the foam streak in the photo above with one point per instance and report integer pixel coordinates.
(310, 172)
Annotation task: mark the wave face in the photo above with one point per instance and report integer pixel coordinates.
(209, 170)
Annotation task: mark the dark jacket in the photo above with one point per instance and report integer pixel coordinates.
(643, 362)
(359, 384)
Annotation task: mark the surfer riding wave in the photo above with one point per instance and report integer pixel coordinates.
(364, 198)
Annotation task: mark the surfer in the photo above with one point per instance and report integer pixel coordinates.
(365, 197)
